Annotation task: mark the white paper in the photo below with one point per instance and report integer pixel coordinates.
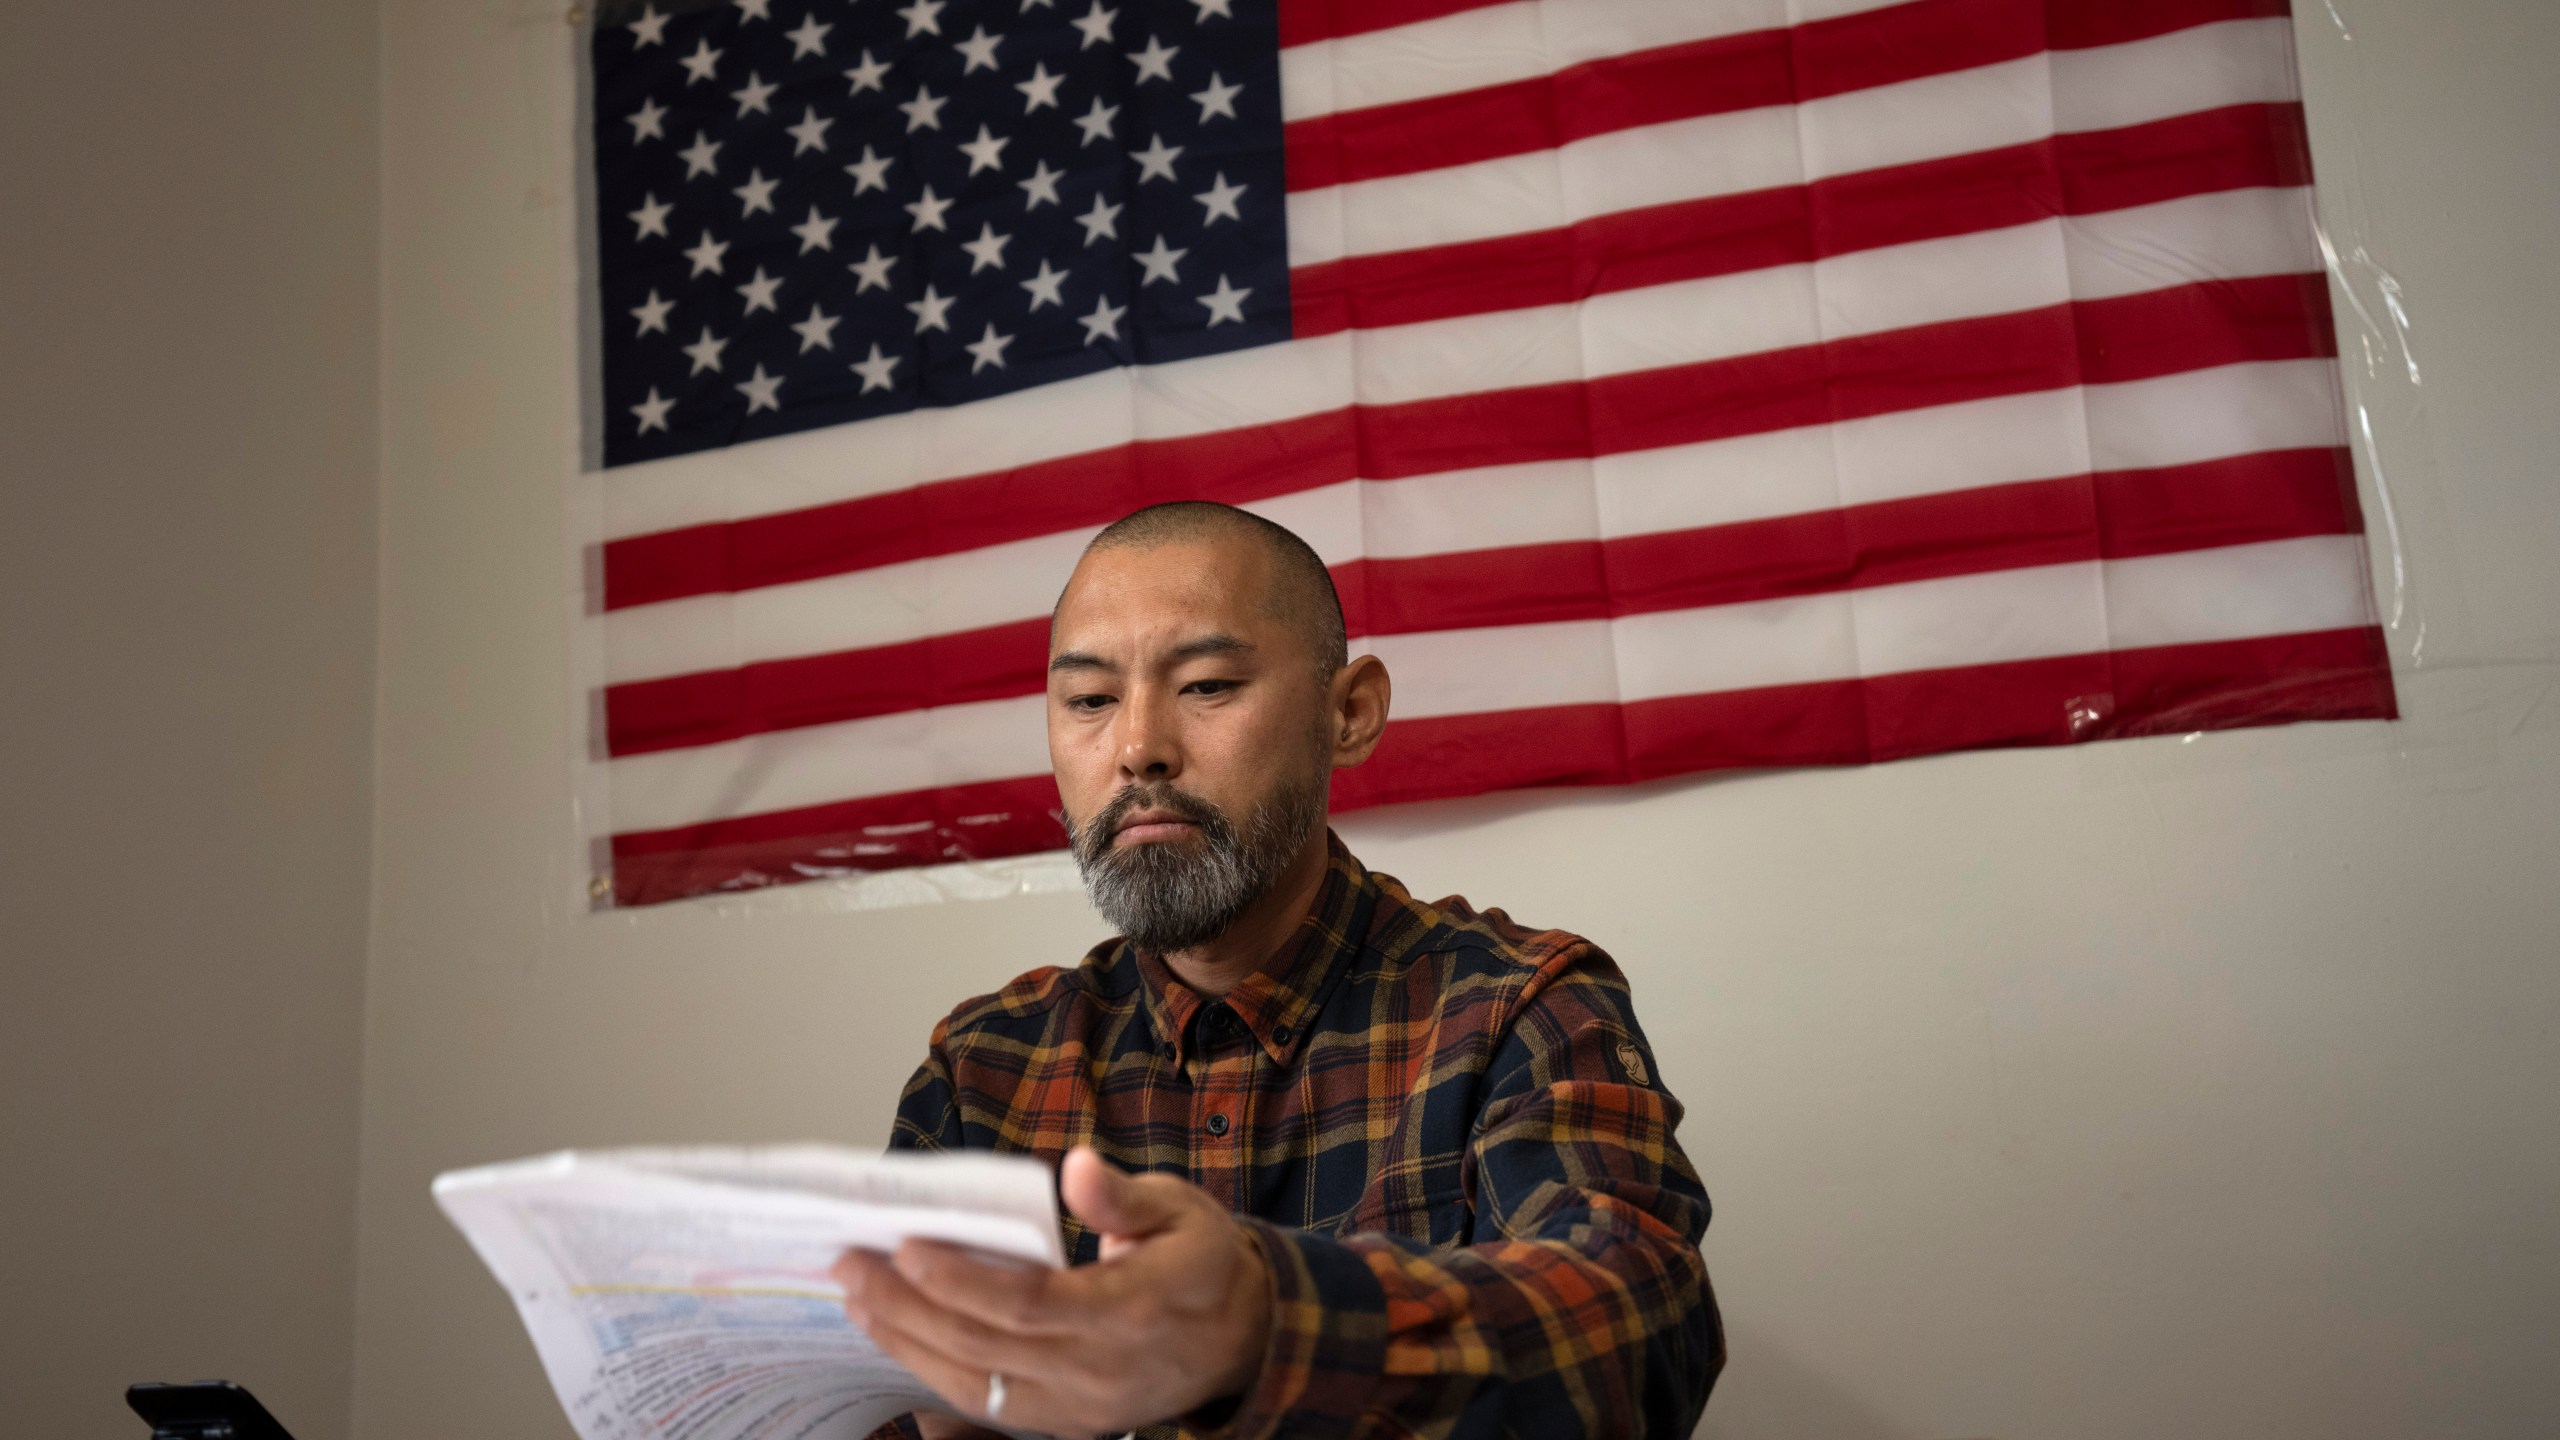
(684, 1294)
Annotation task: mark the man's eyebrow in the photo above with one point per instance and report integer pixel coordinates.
(1217, 644)
(1078, 660)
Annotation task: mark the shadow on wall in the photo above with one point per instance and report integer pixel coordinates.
(1767, 1394)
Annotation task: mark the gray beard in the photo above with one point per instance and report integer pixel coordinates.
(1173, 895)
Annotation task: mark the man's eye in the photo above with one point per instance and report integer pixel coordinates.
(1088, 703)
(1209, 687)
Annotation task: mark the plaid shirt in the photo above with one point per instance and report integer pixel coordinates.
(1445, 1131)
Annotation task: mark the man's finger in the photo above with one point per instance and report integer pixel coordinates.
(1112, 1202)
(1020, 1299)
(890, 1299)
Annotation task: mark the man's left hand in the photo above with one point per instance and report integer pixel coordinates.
(1175, 1315)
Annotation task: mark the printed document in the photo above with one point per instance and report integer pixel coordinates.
(684, 1294)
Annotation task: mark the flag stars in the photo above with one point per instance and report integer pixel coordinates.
(869, 173)
(1104, 322)
(651, 217)
(928, 209)
(708, 255)
(932, 310)
(1156, 61)
(652, 412)
(701, 157)
(924, 17)
(1101, 223)
(987, 251)
(701, 63)
(648, 122)
(1096, 25)
(1218, 8)
(1042, 188)
(1045, 286)
(868, 74)
(810, 133)
(872, 270)
(759, 292)
(1219, 201)
(979, 50)
(755, 95)
(986, 152)
(1156, 161)
(1096, 122)
(652, 315)
(754, 10)
(1041, 89)
(756, 194)
(650, 29)
(925, 111)
(763, 392)
(818, 232)
(818, 332)
(876, 370)
(810, 39)
(1225, 303)
(706, 352)
(1159, 263)
(987, 350)
(1218, 100)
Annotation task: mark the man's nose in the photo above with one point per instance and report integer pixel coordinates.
(1149, 743)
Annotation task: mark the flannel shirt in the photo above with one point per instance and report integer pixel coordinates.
(1445, 1131)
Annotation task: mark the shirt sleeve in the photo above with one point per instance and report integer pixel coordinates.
(929, 1109)
(1583, 1307)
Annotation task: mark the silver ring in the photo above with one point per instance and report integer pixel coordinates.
(995, 1394)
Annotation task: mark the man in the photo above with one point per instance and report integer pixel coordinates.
(1400, 1168)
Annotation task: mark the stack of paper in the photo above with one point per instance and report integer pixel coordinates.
(684, 1294)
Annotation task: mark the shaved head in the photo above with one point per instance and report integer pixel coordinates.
(1302, 594)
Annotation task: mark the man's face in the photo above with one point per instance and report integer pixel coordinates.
(1187, 732)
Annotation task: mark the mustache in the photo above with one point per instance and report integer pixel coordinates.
(1096, 834)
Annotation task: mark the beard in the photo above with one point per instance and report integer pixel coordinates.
(1175, 894)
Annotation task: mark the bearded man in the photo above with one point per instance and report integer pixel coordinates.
(1336, 1161)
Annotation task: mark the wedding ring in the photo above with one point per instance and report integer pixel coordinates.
(995, 1394)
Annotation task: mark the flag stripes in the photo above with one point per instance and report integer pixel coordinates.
(1670, 388)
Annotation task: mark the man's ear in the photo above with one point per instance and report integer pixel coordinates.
(1356, 709)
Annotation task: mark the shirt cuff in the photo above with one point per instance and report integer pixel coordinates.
(1321, 1367)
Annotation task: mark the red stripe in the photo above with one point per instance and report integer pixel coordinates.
(2333, 675)
(2241, 147)
(1769, 391)
(2272, 496)
(2071, 26)
(1718, 76)
(884, 832)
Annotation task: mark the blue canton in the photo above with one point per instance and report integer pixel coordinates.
(816, 211)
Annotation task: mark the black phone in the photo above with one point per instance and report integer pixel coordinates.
(204, 1410)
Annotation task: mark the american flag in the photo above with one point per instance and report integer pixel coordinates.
(1672, 385)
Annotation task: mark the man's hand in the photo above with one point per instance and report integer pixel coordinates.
(1175, 1315)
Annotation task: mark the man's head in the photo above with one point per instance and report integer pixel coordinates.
(1200, 697)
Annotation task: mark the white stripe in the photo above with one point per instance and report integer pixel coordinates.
(1501, 45)
(2173, 420)
(2238, 592)
(2225, 64)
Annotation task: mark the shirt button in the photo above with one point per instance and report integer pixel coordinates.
(1217, 1124)
(1280, 1034)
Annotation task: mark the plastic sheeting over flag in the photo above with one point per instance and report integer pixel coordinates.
(1671, 387)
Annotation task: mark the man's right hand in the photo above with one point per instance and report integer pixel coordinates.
(951, 1427)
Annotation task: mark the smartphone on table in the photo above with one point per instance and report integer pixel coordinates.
(203, 1410)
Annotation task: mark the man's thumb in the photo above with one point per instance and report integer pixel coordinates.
(1113, 1203)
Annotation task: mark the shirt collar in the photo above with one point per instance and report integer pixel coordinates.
(1279, 1001)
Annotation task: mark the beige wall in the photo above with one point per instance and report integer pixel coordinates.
(2135, 1090)
(187, 581)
